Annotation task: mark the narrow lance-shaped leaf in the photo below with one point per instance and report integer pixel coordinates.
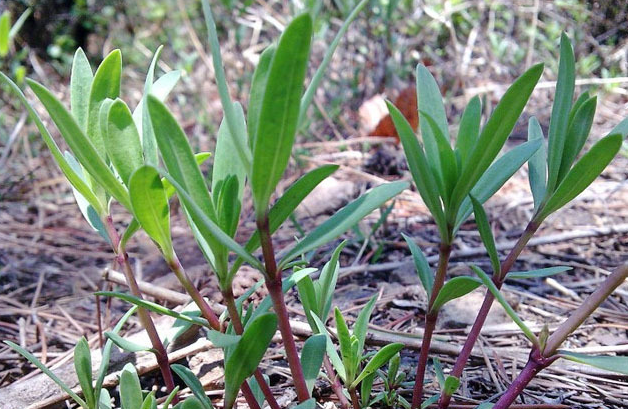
(160, 89)
(150, 207)
(149, 144)
(326, 284)
(330, 349)
(345, 345)
(454, 288)
(32, 359)
(421, 264)
(73, 177)
(585, 95)
(429, 101)
(378, 360)
(83, 368)
(582, 174)
(542, 272)
(610, 363)
(286, 204)
(191, 381)
(362, 322)
(81, 146)
(494, 135)
(496, 176)
(279, 112)
(247, 354)
(447, 160)
(420, 169)
(486, 234)
(223, 91)
(122, 141)
(560, 115)
(537, 164)
(577, 134)
(130, 389)
(308, 96)
(620, 129)
(469, 129)
(508, 309)
(345, 218)
(125, 344)
(5, 27)
(256, 94)
(106, 84)
(311, 358)
(80, 86)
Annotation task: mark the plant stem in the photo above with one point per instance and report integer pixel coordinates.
(498, 280)
(147, 322)
(540, 360)
(335, 384)
(274, 285)
(431, 322)
(238, 328)
(355, 400)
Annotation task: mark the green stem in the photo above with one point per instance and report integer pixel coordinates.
(273, 282)
(146, 320)
(431, 322)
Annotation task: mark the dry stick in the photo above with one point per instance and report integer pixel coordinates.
(505, 267)
(274, 285)
(123, 261)
(238, 328)
(539, 360)
(431, 322)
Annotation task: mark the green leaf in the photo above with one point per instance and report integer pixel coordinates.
(421, 264)
(151, 306)
(75, 179)
(308, 96)
(433, 399)
(126, 345)
(621, 129)
(345, 218)
(436, 363)
(247, 354)
(19, 22)
(496, 176)
(130, 389)
(345, 344)
(149, 401)
(558, 128)
(80, 86)
(454, 288)
(105, 399)
(537, 164)
(542, 272)
(286, 204)
(494, 135)
(211, 230)
(311, 359)
(192, 403)
(226, 160)
(485, 405)
(5, 27)
(378, 360)
(223, 91)
(191, 381)
(366, 386)
(308, 298)
(32, 359)
(222, 340)
(83, 368)
(582, 174)
(609, 363)
(585, 95)
(469, 129)
(149, 144)
(486, 234)
(330, 349)
(81, 146)
(420, 168)
(430, 102)
(122, 141)
(170, 397)
(273, 143)
(508, 309)
(104, 363)
(362, 322)
(256, 94)
(326, 283)
(256, 390)
(106, 84)
(576, 136)
(448, 172)
(451, 385)
(150, 207)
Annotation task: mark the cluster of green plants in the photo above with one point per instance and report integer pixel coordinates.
(142, 158)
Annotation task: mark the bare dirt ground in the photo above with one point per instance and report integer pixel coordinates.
(51, 262)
